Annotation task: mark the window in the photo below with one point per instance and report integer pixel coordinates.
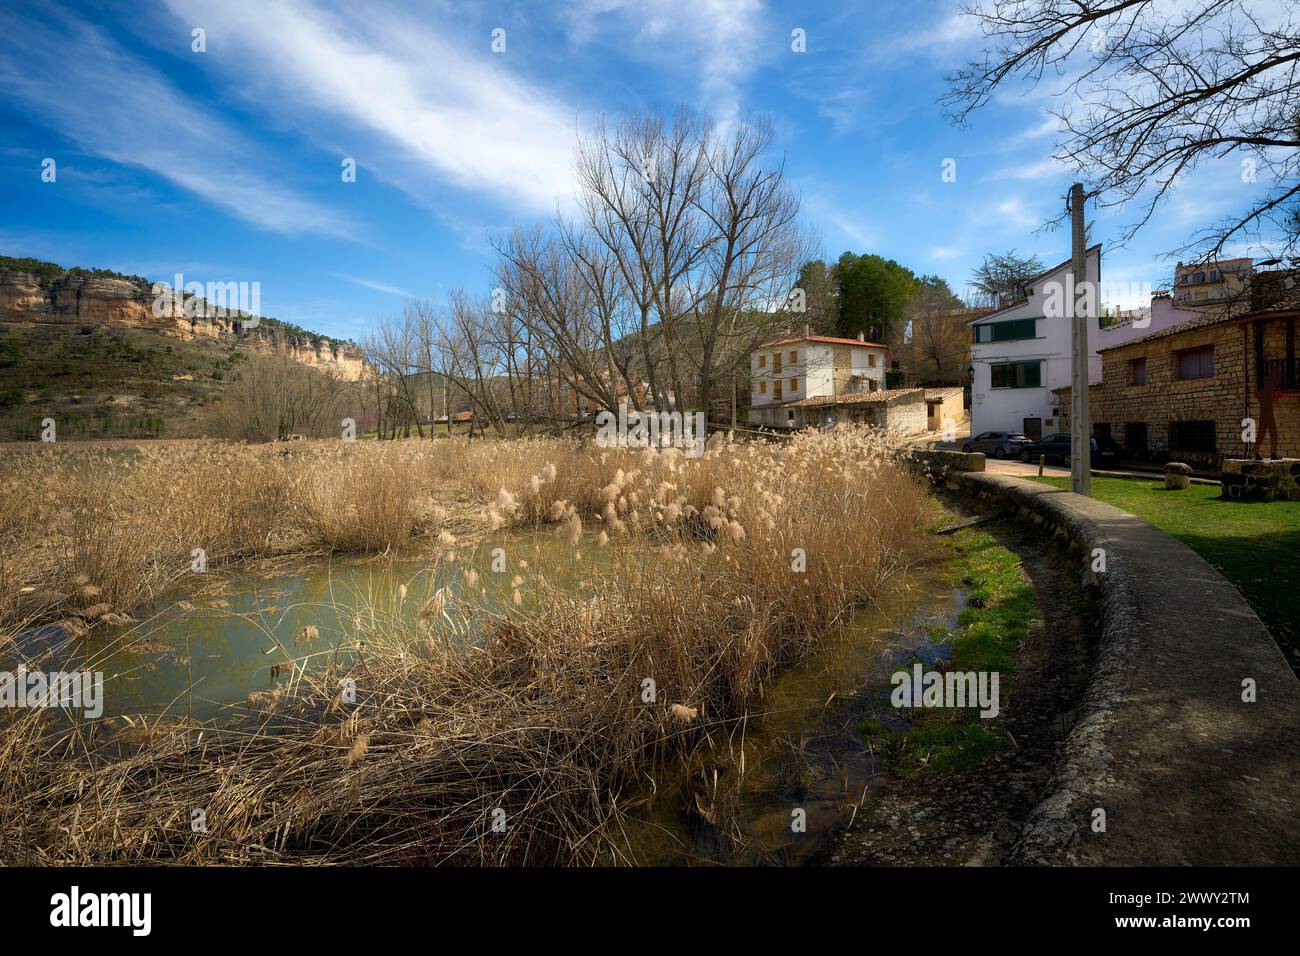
(1007, 331)
(1196, 363)
(776, 391)
(762, 360)
(1137, 371)
(871, 360)
(794, 356)
(776, 362)
(1191, 436)
(1135, 436)
(794, 385)
(762, 388)
(1016, 375)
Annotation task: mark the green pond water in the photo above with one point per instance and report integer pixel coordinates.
(201, 651)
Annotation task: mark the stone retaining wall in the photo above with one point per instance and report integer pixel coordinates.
(1166, 762)
(1262, 480)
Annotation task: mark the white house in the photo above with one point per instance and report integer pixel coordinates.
(1021, 352)
(1163, 313)
(810, 366)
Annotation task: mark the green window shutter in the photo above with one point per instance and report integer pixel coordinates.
(1033, 374)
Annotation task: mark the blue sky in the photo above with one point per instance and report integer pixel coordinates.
(225, 165)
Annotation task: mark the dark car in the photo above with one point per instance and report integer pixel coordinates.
(1057, 448)
(997, 444)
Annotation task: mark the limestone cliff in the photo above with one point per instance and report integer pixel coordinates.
(71, 299)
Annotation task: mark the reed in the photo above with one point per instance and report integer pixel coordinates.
(529, 744)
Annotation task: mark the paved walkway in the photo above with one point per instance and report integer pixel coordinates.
(1186, 770)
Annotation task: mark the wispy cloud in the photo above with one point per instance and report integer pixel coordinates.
(719, 41)
(427, 104)
(377, 286)
(77, 81)
(1032, 170)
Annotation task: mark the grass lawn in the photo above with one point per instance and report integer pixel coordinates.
(1256, 545)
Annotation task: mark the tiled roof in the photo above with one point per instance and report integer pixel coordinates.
(822, 338)
(855, 398)
(939, 394)
(1200, 322)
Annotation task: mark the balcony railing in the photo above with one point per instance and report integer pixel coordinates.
(1287, 371)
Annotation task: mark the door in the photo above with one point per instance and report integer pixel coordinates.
(1033, 428)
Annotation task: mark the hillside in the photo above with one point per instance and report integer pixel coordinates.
(84, 347)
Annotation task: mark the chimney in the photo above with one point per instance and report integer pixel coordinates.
(862, 336)
(807, 330)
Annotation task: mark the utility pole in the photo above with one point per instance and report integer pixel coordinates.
(1080, 424)
(734, 374)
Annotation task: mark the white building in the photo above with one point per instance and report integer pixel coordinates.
(1162, 314)
(810, 366)
(1021, 352)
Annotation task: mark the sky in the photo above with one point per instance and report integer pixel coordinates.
(226, 164)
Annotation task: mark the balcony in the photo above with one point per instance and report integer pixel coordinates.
(1287, 371)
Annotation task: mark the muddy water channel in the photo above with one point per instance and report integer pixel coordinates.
(799, 749)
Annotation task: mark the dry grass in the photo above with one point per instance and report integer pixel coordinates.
(545, 719)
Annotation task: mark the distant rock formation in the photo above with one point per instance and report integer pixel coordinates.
(121, 303)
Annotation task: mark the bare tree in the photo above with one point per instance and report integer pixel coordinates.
(1155, 90)
(940, 340)
(274, 396)
(753, 252)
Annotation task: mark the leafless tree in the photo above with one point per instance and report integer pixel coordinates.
(1154, 90)
(274, 396)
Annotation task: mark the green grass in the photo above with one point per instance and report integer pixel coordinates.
(1255, 545)
(1001, 606)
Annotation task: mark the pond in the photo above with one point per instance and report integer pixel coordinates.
(197, 654)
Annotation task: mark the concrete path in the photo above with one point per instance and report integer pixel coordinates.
(1186, 771)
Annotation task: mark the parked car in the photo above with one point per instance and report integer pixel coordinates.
(997, 444)
(1057, 448)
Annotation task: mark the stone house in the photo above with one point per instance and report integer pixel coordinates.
(787, 372)
(944, 408)
(903, 409)
(1185, 391)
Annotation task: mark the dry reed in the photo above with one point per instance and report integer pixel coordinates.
(529, 745)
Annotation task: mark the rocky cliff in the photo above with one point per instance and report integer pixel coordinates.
(70, 299)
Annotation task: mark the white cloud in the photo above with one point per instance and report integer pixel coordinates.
(944, 253)
(377, 286)
(718, 40)
(453, 111)
(954, 30)
(1013, 210)
(1036, 169)
(113, 105)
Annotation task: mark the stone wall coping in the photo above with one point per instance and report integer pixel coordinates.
(1186, 772)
